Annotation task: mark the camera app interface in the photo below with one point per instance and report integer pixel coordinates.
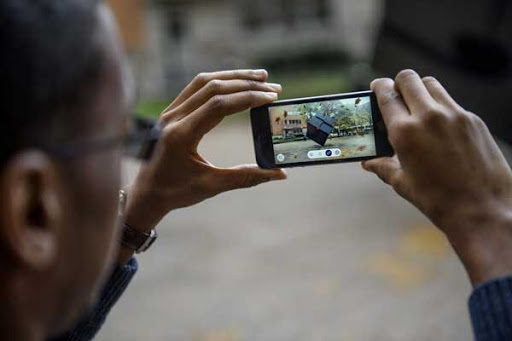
(319, 131)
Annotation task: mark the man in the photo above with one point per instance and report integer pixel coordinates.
(63, 103)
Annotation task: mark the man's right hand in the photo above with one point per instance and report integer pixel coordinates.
(178, 176)
(448, 165)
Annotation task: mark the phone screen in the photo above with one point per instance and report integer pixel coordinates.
(323, 130)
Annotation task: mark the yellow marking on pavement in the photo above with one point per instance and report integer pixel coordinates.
(425, 240)
(413, 261)
(398, 271)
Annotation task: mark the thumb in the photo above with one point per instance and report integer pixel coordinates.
(388, 169)
(246, 176)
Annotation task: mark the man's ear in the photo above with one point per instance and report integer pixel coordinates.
(31, 215)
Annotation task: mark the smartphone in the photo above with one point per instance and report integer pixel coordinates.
(319, 130)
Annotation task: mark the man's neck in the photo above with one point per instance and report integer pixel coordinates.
(14, 329)
(18, 315)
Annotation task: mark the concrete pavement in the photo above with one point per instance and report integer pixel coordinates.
(330, 254)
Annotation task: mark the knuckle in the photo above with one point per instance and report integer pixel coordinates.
(400, 133)
(381, 173)
(167, 133)
(395, 180)
(475, 119)
(245, 178)
(401, 127)
(249, 180)
(201, 78)
(257, 98)
(462, 111)
(389, 97)
(252, 97)
(214, 86)
(167, 117)
(252, 84)
(464, 119)
(172, 132)
(217, 102)
(432, 109)
(470, 121)
(433, 115)
(399, 184)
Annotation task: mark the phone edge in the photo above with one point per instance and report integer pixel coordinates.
(261, 159)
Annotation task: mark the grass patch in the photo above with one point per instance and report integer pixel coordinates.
(307, 85)
(151, 108)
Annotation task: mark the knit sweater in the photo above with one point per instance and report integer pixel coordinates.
(490, 307)
(91, 323)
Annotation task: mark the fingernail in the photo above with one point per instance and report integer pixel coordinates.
(271, 95)
(429, 79)
(275, 86)
(372, 84)
(261, 71)
(282, 175)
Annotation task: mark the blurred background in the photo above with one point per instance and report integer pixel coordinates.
(330, 254)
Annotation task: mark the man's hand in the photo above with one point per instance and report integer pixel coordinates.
(448, 165)
(178, 176)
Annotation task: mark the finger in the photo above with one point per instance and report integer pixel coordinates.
(218, 87)
(216, 108)
(203, 78)
(388, 169)
(245, 176)
(439, 93)
(415, 94)
(390, 102)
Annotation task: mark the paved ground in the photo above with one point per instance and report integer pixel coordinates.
(331, 254)
(349, 146)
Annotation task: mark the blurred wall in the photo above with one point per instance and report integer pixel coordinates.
(465, 44)
(129, 15)
(183, 38)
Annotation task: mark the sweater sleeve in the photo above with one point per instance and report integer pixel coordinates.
(91, 323)
(490, 306)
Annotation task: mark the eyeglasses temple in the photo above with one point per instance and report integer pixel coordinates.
(148, 147)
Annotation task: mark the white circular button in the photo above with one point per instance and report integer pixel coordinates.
(280, 157)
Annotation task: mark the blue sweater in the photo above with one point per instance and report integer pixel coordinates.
(91, 323)
(490, 306)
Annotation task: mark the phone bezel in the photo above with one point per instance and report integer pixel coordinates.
(262, 132)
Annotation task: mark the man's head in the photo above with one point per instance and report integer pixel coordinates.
(61, 87)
